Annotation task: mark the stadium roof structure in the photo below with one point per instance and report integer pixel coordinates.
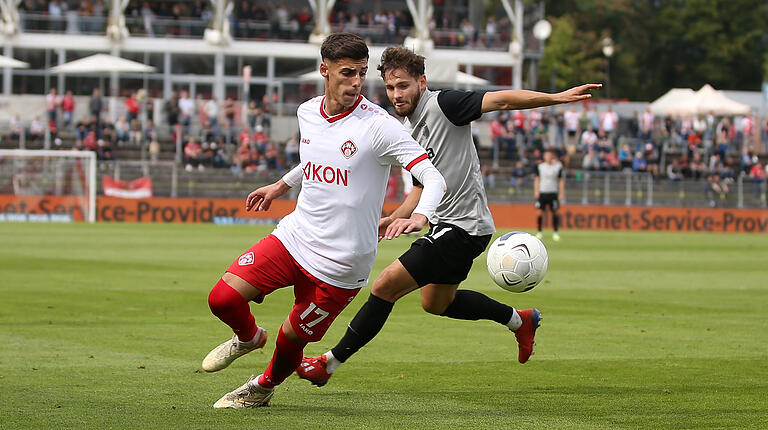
(12, 63)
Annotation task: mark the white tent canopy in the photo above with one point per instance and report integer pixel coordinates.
(12, 63)
(101, 63)
(672, 97)
(706, 100)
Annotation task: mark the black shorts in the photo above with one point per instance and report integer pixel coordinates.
(444, 255)
(548, 199)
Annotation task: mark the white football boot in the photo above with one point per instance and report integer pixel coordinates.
(224, 354)
(249, 395)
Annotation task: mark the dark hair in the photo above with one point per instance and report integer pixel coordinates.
(343, 45)
(397, 57)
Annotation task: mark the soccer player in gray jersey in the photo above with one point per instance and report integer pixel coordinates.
(549, 189)
(439, 261)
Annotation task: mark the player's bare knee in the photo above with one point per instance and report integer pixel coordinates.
(433, 307)
(385, 288)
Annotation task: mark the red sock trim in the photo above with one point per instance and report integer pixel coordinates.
(232, 308)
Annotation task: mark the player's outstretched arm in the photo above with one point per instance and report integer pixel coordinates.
(526, 99)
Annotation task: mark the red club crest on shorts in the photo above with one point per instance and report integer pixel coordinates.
(348, 149)
(245, 259)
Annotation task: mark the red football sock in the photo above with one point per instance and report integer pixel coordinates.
(227, 304)
(285, 360)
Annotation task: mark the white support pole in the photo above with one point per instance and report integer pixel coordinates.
(517, 46)
(7, 72)
(218, 73)
(167, 88)
(61, 84)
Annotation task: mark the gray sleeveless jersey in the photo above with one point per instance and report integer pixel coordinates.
(440, 123)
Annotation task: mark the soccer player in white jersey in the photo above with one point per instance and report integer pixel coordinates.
(326, 247)
(438, 262)
(549, 190)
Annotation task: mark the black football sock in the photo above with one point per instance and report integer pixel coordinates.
(471, 305)
(363, 328)
(538, 222)
(555, 221)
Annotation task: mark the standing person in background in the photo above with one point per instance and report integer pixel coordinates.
(52, 103)
(132, 107)
(96, 105)
(67, 108)
(610, 124)
(572, 130)
(549, 189)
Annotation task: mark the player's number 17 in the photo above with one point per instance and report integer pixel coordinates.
(317, 310)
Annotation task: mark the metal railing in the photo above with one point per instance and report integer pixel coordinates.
(636, 189)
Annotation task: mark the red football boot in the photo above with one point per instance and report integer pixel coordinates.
(525, 334)
(313, 370)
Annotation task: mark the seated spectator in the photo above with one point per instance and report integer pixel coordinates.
(674, 173)
(603, 143)
(91, 141)
(211, 110)
(219, 156)
(757, 174)
(713, 188)
(192, 154)
(36, 129)
(698, 168)
(206, 156)
(518, 175)
(590, 162)
(252, 160)
(208, 132)
(107, 130)
(685, 166)
(727, 172)
(104, 150)
(81, 128)
(135, 134)
(260, 138)
(639, 164)
(271, 156)
(612, 161)
(17, 127)
(122, 131)
(652, 159)
(625, 157)
(588, 139)
(154, 150)
(292, 150)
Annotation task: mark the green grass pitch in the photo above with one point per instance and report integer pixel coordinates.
(104, 326)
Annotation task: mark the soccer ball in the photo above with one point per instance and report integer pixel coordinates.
(517, 261)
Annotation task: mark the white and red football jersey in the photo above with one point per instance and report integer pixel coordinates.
(346, 158)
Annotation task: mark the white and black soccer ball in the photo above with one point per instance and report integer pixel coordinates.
(517, 261)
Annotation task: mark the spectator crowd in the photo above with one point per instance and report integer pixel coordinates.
(263, 20)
